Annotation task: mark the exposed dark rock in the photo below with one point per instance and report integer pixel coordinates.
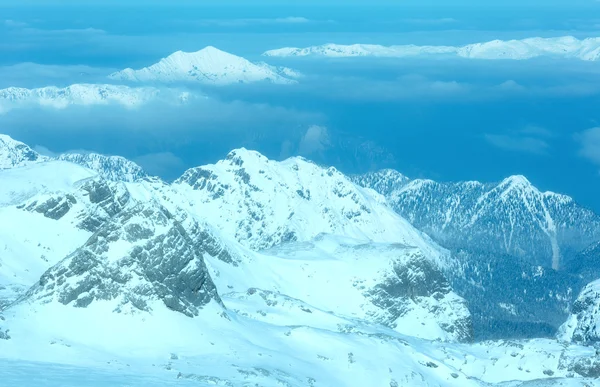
(165, 265)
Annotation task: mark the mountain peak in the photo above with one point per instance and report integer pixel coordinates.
(214, 50)
(453, 213)
(209, 65)
(205, 53)
(516, 182)
(241, 155)
(519, 180)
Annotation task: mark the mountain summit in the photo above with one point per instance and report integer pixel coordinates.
(511, 217)
(208, 66)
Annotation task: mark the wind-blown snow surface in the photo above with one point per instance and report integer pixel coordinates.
(146, 287)
(208, 66)
(86, 95)
(561, 47)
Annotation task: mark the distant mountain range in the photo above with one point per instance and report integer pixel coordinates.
(209, 66)
(561, 47)
(87, 95)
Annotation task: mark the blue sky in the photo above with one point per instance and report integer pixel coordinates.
(283, 3)
(446, 120)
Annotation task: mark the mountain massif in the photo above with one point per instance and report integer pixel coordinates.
(279, 273)
(502, 235)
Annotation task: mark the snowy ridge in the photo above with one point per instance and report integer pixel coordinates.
(113, 168)
(16, 154)
(561, 47)
(209, 66)
(85, 95)
(360, 50)
(583, 325)
(511, 217)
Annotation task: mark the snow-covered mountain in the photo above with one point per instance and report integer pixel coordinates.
(324, 284)
(304, 200)
(583, 325)
(512, 217)
(389, 294)
(501, 235)
(86, 95)
(208, 66)
(561, 47)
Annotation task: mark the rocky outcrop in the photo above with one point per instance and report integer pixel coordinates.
(419, 284)
(142, 254)
(583, 325)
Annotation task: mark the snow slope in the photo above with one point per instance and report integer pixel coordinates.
(388, 284)
(561, 47)
(31, 242)
(16, 154)
(208, 66)
(231, 350)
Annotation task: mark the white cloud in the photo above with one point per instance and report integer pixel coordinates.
(292, 19)
(45, 151)
(164, 164)
(518, 143)
(245, 22)
(316, 139)
(14, 23)
(531, 139)
(589, 141)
